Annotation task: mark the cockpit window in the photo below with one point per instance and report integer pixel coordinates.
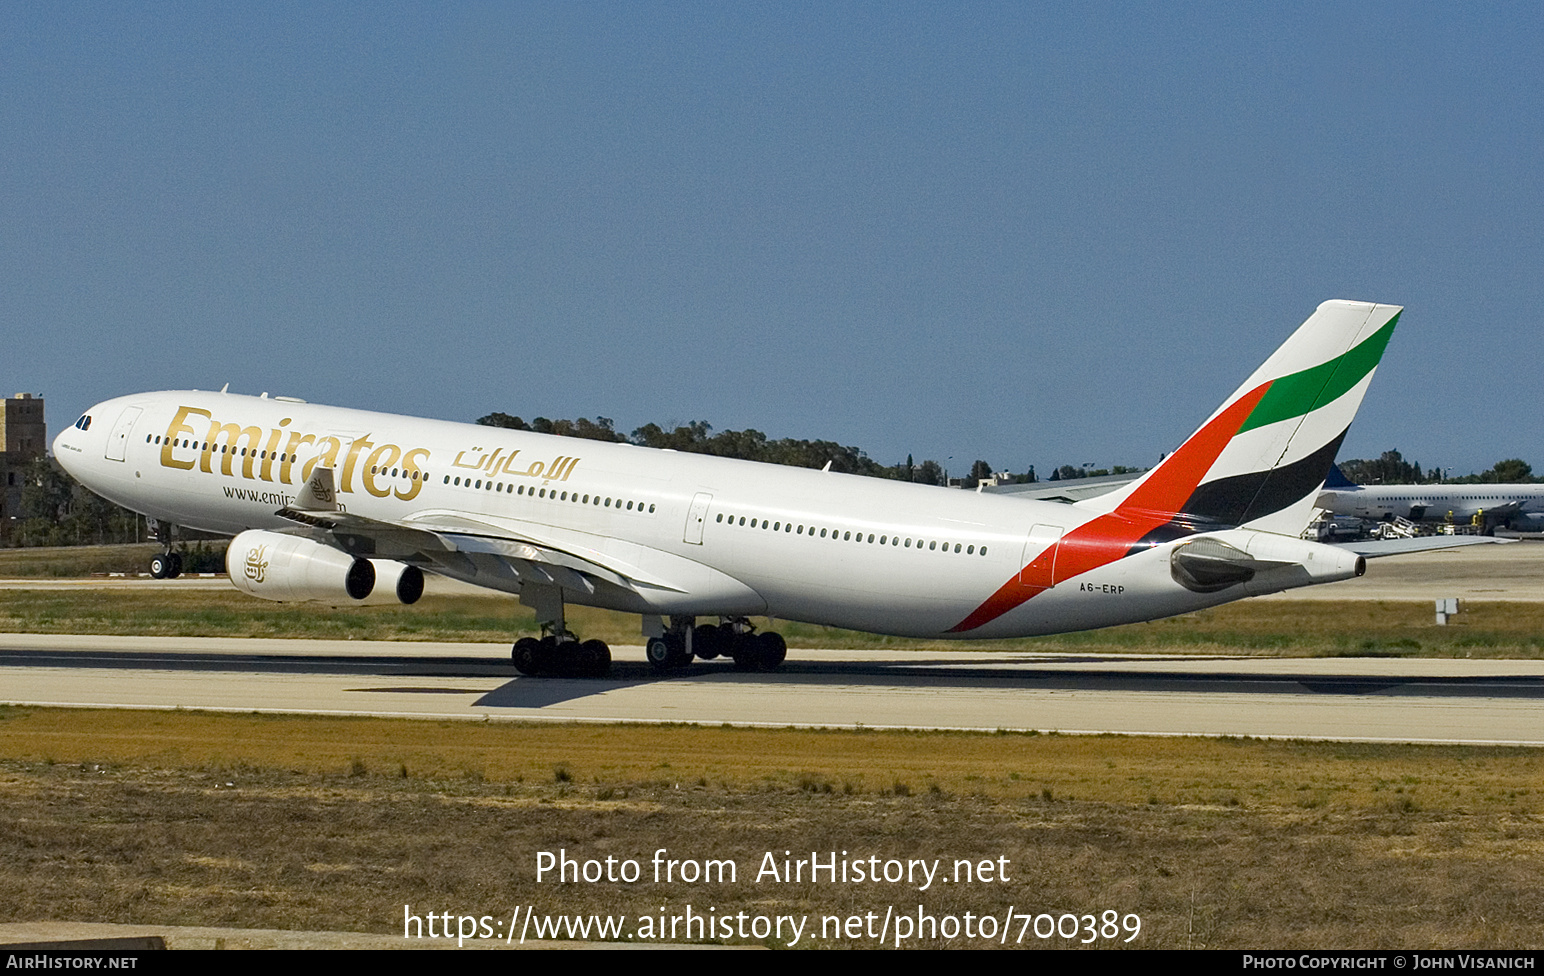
(84, 423)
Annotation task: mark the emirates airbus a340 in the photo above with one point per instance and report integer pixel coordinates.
(344, 506)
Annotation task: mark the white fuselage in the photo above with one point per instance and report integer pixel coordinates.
(691, 534)
(1433, 503)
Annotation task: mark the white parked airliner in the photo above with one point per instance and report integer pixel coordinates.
(1486, 504)
(343, 506)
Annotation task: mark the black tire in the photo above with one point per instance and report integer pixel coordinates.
(774, 650)
(160, 566)
(746, 651)
(680, 657)
(705, 641)
(657, 650)
(594, 659)
(176, 570)
(525, 655)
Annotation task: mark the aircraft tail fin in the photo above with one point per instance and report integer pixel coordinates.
(1261, 458)
(1338, 479)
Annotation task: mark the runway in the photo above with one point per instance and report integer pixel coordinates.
(1406, 700)
(1403, 700)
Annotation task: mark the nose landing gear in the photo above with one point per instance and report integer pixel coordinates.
(167, 565)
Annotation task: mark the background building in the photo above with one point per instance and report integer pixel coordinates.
(23, 439)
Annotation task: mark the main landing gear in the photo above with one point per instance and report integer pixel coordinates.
(671, 646)
(567, 657)
(735, 637)
(166, 565)
(557, 653)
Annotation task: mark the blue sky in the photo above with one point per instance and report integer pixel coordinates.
(1033, 234)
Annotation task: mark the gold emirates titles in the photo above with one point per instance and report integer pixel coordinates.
(262, 450)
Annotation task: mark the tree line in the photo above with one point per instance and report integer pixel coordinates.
(57, 510)
(699, 437)
(1390, 468)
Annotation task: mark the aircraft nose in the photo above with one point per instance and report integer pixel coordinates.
(70, 444)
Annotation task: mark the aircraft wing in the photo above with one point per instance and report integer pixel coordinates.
(1068, 491)
(488, 551)
(1375, 548)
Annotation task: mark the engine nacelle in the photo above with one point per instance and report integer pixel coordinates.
(1261, 562)
(396, 582)
(290, 569)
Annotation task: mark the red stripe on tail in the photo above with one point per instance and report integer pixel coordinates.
(1109, 537)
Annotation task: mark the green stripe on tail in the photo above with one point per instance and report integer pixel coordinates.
(1299, 393)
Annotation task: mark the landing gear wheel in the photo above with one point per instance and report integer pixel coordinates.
(657, 650)
(176, 565)
(160, 566)
(774, 650)
(593, 658)
(746, 651)
(709, 641)
(668, 652)
(759, 652)
(525, 655)
(680, 657)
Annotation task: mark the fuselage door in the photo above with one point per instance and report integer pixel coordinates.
(118, 440)
(696, 516)
(1043, 540)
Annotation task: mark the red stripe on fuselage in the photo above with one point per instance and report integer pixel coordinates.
(1109, 537)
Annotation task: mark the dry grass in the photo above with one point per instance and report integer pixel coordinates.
(182, 818)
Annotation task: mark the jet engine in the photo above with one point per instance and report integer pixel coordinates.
(290, 568)
(1261, 562)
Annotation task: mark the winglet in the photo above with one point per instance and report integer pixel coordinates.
(318, 494)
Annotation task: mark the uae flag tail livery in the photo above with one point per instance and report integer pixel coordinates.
(1247, 478)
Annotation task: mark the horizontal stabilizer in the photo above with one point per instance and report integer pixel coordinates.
(1374, 548)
